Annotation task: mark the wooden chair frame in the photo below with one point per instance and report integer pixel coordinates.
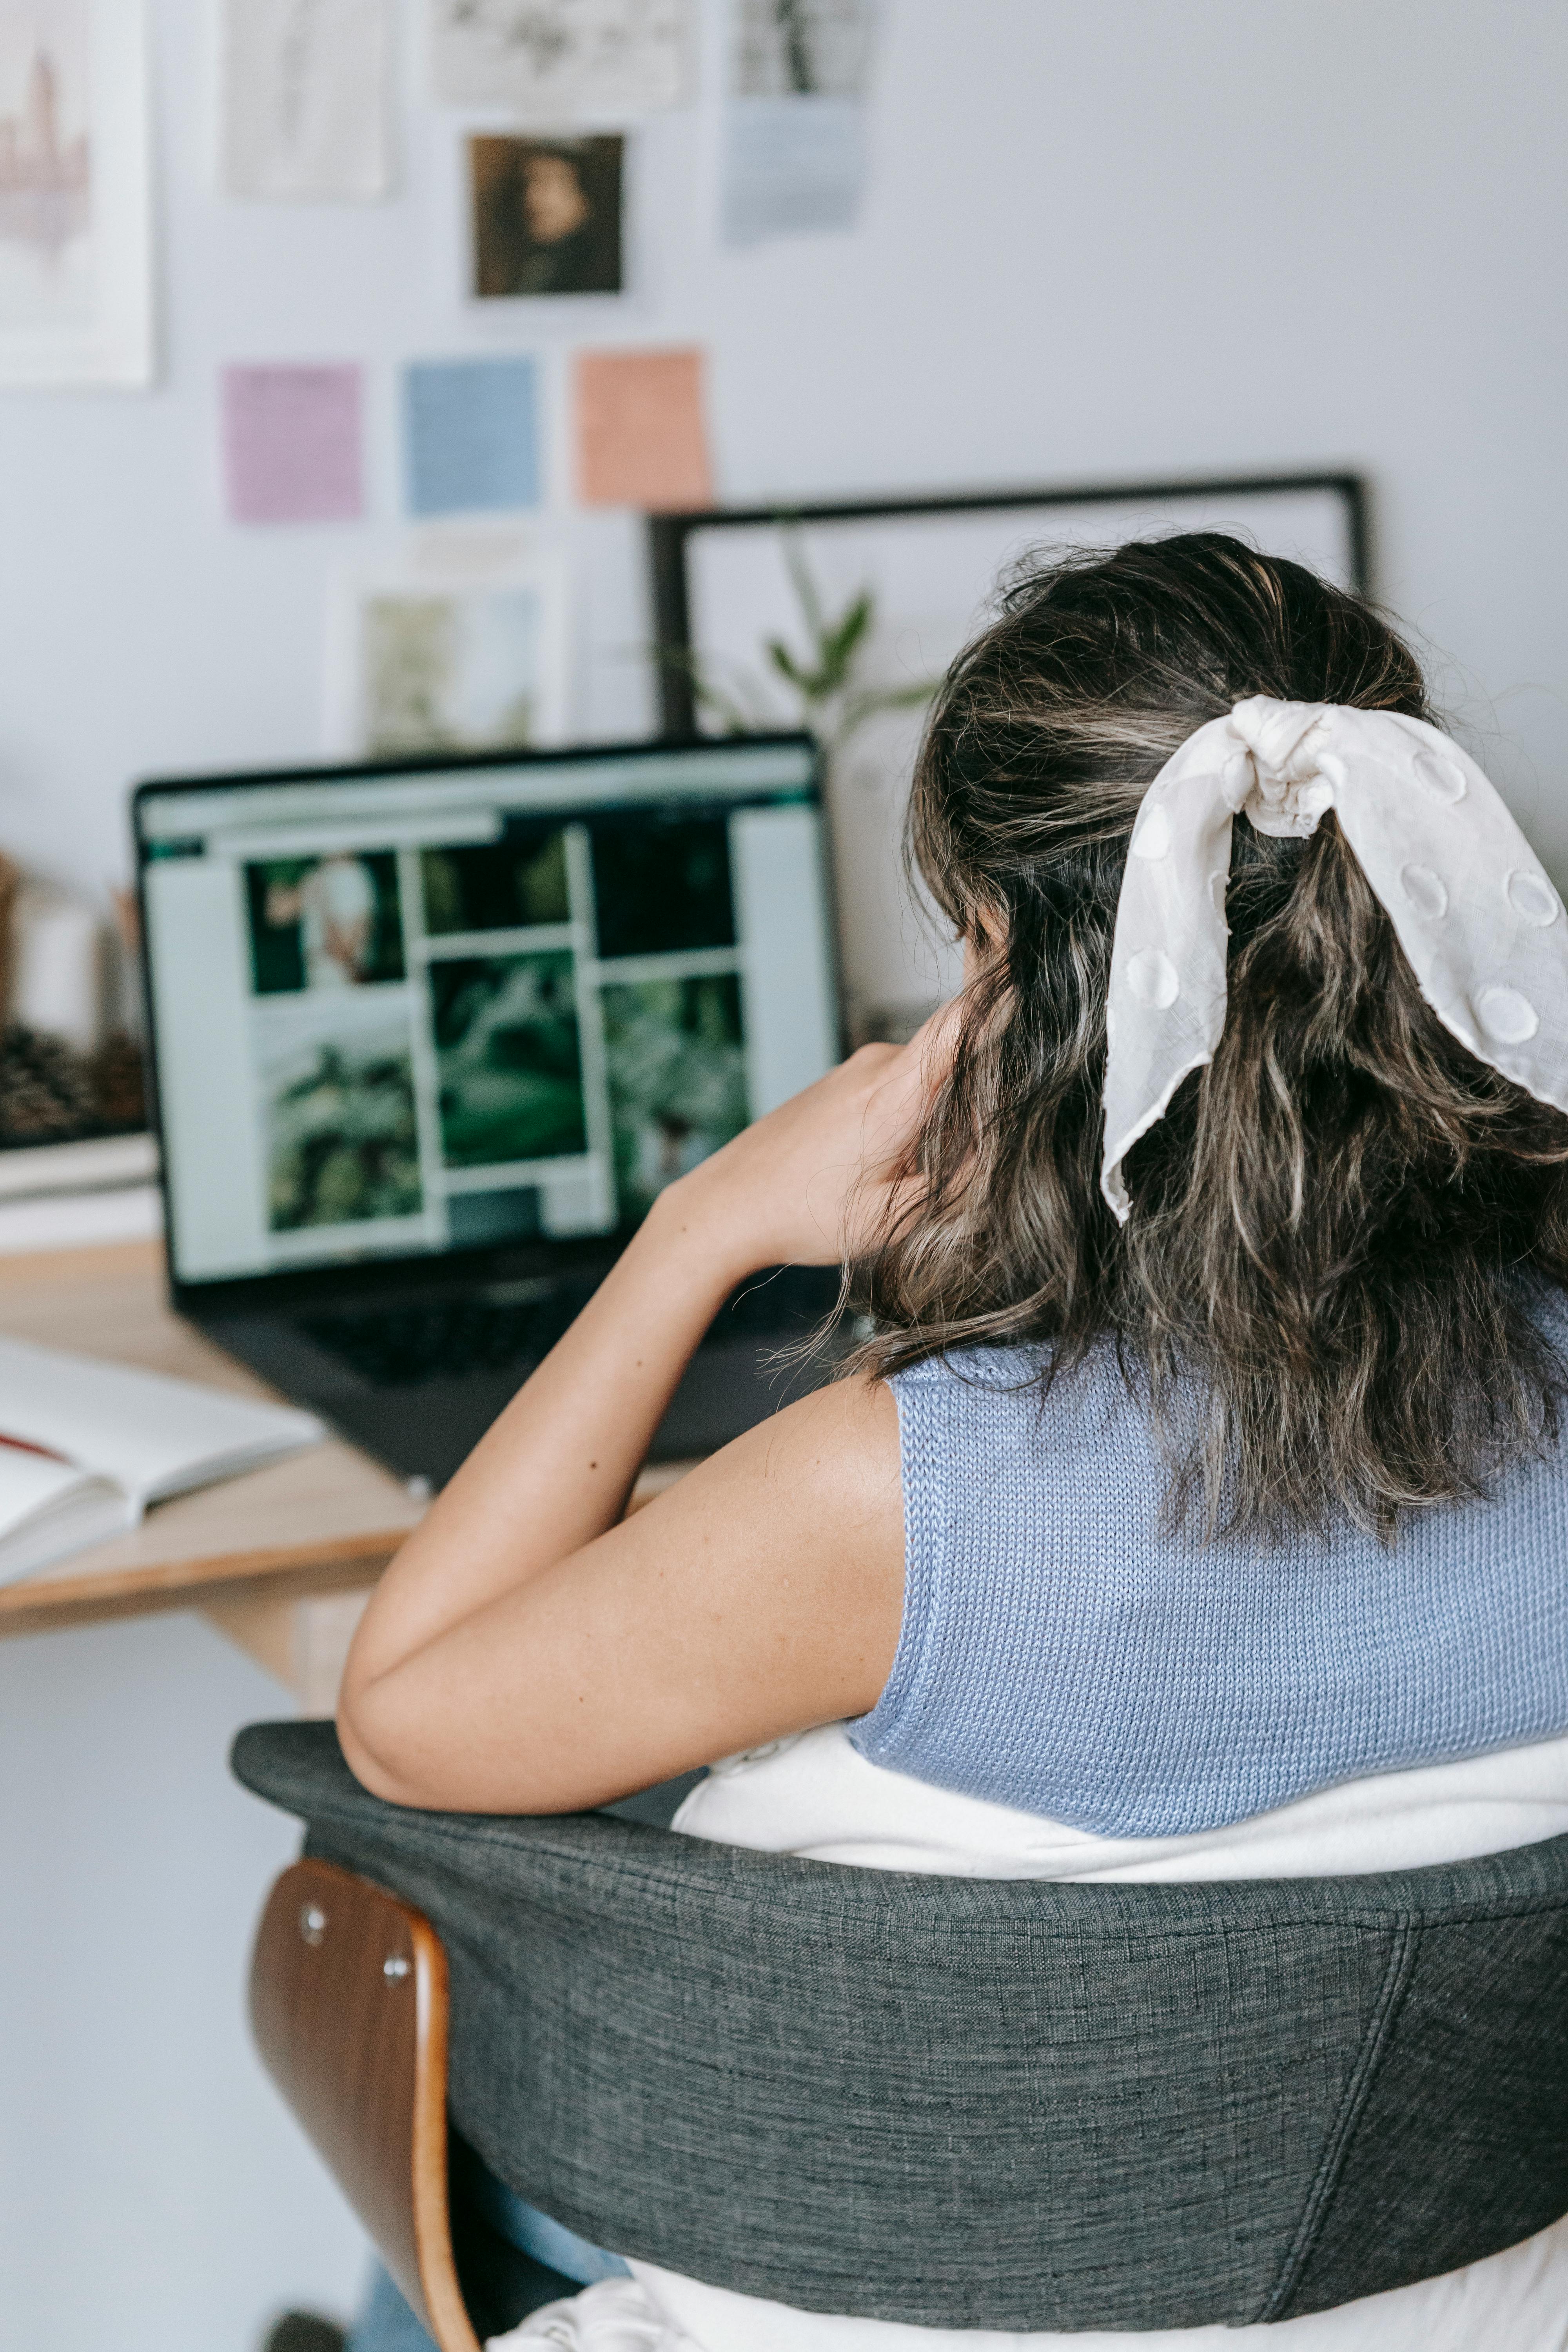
(349, 2009)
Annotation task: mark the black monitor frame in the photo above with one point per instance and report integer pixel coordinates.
(670, 535)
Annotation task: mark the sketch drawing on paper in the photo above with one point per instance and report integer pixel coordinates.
(802, 49)
(306, 100)
(561, 62)
(75, 282)
(46, 163)
(794, 161)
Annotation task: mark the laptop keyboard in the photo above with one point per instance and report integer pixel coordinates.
(425, 1339)
(400, 1343)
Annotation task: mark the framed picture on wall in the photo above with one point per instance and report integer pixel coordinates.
(431, 657)
(76, 222)
(842, 617)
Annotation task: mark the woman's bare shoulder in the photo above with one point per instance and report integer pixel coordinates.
(805, 1512)
(778, 1566)
(760, 1594)
(841, 1443)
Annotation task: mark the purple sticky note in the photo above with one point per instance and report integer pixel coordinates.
(292, 444)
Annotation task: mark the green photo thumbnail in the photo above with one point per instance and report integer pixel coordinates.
(341, 1143)
(662, 886)
(510, 1068)
(677, 1078)
(323, 922)
(497, 885)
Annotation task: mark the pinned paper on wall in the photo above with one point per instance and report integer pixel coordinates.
(293, 444)
(472, 436)
(562, 61)
(306, 100)
(800, 48)
(641, 441)
(449, 657)
(546, 215)
(76, 233)
(795, 160)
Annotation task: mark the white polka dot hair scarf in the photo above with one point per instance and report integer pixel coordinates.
(1482, 927)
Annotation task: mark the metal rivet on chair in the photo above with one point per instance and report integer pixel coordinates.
(312, 1923)
(394, 1967)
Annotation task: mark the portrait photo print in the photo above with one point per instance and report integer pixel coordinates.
(546, 215)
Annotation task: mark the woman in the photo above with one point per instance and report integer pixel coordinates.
(1197, 1506)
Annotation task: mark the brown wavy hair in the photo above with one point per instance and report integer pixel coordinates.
(1340, 1230)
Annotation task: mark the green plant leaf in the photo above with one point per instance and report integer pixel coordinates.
(852, 626)
(785, 662)
(804, 586)
(737, 705)
(737, 720)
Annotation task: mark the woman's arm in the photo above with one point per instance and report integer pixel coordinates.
(529, 1650)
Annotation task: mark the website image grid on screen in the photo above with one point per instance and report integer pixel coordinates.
(404, 1014)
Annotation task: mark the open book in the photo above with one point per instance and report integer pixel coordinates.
(85, 1447)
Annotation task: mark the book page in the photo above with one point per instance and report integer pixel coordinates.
(49, 1507)
(153, 1435)
(30, 1481)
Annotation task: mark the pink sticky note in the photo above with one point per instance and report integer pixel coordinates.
(292, 444)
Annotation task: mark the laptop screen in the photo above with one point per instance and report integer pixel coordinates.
(403, 1012)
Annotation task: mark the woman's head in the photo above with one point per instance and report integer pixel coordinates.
(1321, 1271)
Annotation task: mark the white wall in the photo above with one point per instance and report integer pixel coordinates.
(1139, 239)
(1135, 239)
(155, 2196)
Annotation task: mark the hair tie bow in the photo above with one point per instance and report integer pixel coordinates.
(1482, 928)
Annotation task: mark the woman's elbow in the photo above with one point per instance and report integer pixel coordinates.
(381, 1752)
(399, 1742)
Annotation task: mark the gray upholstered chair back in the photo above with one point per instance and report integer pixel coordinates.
(983, 2104)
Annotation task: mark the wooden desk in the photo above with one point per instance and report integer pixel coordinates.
(280, 1560)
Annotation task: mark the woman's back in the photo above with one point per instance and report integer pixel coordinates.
(1065, 1652)
(1082, 1691)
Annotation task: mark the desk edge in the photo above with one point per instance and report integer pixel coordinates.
(27, 1607)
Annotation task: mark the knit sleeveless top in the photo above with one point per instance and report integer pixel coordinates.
(1062, 1654)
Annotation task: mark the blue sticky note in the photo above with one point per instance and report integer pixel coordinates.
(792, 166)
(472, 435)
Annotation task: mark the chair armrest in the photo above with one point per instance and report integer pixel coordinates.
(347, 2006)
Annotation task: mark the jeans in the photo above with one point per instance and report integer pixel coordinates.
(385, 2324)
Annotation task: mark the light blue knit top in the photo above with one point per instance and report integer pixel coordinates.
(1060, 1654)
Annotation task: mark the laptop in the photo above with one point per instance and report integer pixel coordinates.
(429, 1036)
